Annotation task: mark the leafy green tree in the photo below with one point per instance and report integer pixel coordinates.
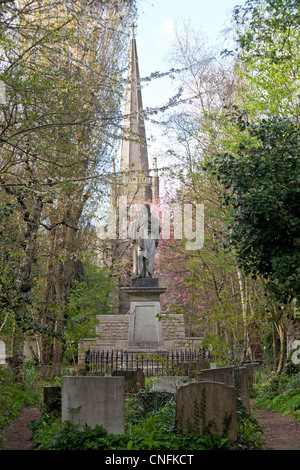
(261, 186)
(61, 64)
(217, 299)
(267, 56)
(263, 179)
(90, 295)
(9, 268)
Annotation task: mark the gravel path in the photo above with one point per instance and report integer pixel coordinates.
(17, 436)
(280, 432)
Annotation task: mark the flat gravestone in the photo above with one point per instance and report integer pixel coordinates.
(169, 384)
(207, 407)
(95, 401)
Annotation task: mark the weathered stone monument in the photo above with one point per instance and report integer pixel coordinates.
(207, 407)
(134, 379)
(144, 233)
(224, 375)
(169, 384)
(145, 327)
(235, 376)
(94, 401)
(135, 183)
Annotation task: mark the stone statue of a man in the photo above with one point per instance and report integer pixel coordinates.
(144, 232)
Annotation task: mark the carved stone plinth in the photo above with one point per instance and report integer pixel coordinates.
(145, 328)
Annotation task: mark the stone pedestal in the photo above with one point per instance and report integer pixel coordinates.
(145, 328)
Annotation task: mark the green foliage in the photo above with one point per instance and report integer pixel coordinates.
(68, 436)
(281, 395)
(88, 298)
(150, 425)
(264, 225)
(14, 396)
(90, 291)
(151, 401)
(250, 435)
(268, 51)
(9, 266)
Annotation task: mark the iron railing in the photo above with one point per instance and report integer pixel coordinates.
(167, 363)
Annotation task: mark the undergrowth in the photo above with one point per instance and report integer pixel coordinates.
(149, 418)
(15, 396)
(281, 394)
(150, 425)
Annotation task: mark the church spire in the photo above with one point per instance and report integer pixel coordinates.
(134, 154)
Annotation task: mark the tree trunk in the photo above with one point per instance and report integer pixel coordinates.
(278, 326)
(24, 286)
(282, 339)
(274, 340)
(243, 295)
(60, 273)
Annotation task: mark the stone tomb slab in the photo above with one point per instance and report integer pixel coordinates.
(233, 375)
(169, 384)
(207, 406)
(145, 327)
(95, 401)
(224, 375)
(134, 379)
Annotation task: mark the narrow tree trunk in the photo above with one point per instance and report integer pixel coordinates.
(25, 285)
(279, 326)
(243, 295)
(60, 273)
(282, 339)
(274, 337)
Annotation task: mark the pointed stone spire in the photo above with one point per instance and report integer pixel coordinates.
(134, 154)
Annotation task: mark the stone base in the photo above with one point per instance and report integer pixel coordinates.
(145, 282)
(145, 329)
(148, 351)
